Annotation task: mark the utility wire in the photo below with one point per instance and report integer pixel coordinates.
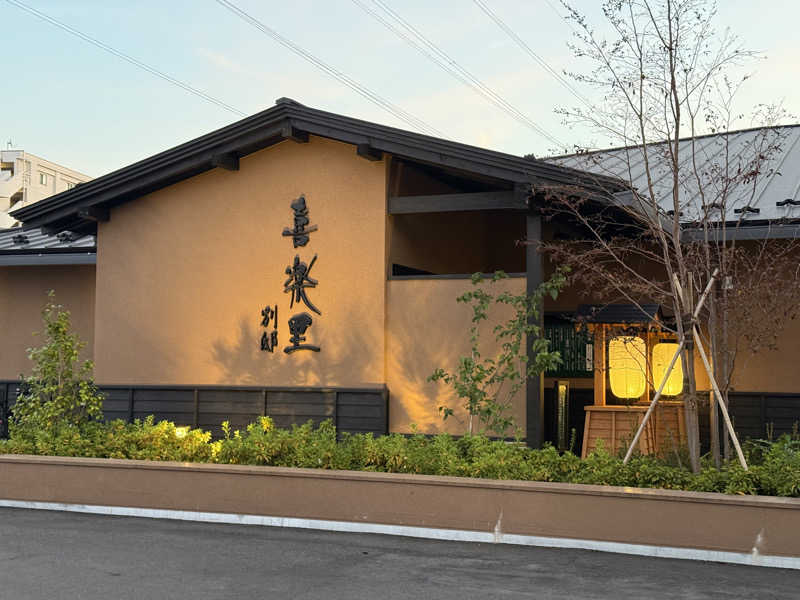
(433, 52)
(126, 57)
(336, 74)
(409, 40)
(538, 59)
(462, 74)
(562, 17)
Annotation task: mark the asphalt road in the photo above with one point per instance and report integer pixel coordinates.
(51, 555)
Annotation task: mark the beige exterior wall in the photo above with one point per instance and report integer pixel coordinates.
(427, 329)
(773, 371)
(183, 274)
(459, 242)
(23, 293)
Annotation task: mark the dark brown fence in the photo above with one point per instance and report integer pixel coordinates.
(764, 415)
(352, 410)
(356, 410)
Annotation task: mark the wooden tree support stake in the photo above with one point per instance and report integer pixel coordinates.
(721, 404)
(668, 371)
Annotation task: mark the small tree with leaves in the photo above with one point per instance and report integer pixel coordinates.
(487, 384)
(60, 390)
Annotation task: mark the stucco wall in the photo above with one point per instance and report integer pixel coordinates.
(772, 371)
(427, 329)
(459, 242)
(23, 293)
(183, 274)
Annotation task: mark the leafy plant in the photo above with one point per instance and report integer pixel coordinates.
(60, 387)
(774, 465)
(487, 384)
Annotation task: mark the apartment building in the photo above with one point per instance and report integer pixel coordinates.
(26, 178)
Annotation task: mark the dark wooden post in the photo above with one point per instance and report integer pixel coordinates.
(130, 405)
(534, 404)
(196, 417)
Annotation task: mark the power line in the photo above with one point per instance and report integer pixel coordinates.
(450, 65)
(375, 15)
(538, 59)
(125, 57)
(560, 16)
(336, 74)
(434, 53)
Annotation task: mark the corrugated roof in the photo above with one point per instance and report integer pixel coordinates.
(732, 152)
(14, 241)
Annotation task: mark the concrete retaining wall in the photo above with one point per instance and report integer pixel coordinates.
(708, 526)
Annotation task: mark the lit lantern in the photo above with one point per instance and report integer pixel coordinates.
(627, 358)
(662, 355)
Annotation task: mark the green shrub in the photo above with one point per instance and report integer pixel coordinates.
(774, 466)
(144, 440)
(60, 389)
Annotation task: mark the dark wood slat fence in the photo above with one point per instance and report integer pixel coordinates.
(754, 414)
(352, 410)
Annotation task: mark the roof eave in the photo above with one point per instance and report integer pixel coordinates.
(270, 127)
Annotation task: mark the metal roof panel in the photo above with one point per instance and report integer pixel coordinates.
(729, 153)
(17, 241)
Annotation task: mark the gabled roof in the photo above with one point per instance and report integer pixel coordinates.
(759, 204)
(75, 208)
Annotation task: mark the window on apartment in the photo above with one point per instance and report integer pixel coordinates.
(70, 185)
(43, 178)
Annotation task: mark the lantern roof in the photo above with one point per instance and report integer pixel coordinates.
(620, 313)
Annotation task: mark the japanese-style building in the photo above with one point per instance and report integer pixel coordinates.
(303, 264)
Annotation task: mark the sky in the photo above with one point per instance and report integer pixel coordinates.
(70, 102)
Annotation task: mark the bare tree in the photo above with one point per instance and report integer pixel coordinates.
(666, 77)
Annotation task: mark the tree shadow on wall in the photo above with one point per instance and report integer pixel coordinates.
(415, 399)
(347, 359)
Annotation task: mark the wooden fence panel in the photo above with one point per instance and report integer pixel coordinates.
(289, 408)
(117, 404)
(362, 412)
(352, 410)
(4, 410)
(757, 416)
(176, 405)
(239, 407)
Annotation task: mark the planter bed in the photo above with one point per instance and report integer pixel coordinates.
(744, 529)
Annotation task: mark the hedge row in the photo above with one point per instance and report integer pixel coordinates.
(774, 466)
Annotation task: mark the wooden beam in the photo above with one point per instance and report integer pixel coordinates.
(534, 389)
(226, 160)
(600, 365)
(504, 200)
(368, 152)
(523, 194)
(97, 214)
(290, 133)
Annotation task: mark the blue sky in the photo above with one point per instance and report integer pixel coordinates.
(68, 101)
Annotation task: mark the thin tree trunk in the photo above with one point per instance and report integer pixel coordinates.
(713, 415)
(690, 409)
